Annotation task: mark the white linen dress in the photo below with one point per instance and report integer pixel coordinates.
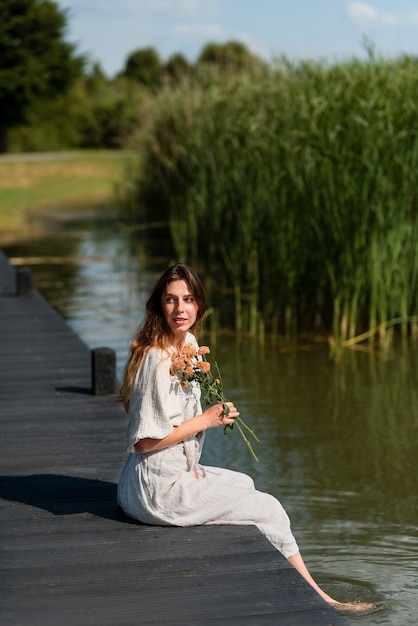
(161, 487)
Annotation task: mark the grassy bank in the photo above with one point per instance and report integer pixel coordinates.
(30, 182)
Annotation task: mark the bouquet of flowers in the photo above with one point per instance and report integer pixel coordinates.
(191, 365)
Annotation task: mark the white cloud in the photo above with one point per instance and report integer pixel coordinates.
(195, 29)
(362, 12)
(390, 20)
(183, 8)
(125, 8)
(166, 25)
(199, 7)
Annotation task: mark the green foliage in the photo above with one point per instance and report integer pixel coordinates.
(296, 186)
(144, 66)
(231, 56)
(177, 67)
(110, 115)
(48, 127)
(95, 112)
(36, 63)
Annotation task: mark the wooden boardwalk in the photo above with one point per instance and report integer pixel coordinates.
(68, 555)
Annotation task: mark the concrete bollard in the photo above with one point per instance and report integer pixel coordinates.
(103, 371)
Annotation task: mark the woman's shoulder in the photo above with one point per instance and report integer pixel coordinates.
(154, 356)
(151, 367)
(190, 338)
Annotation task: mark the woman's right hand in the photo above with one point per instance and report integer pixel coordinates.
(215, 415)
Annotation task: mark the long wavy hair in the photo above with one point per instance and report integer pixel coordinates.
(154, 331)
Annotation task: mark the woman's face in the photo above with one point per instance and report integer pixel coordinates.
(180, 308)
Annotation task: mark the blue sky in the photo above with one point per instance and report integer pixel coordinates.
(109, 30)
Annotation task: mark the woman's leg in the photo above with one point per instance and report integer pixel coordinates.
(298, 563)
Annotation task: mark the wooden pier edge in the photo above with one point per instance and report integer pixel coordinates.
(69, 556)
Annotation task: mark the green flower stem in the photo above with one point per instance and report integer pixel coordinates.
(249, 446)
(241, 421)
(217, 391)
(212, 388)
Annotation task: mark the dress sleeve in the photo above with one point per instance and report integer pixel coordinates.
(154, 408)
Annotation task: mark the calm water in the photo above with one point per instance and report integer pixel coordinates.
(338, 442)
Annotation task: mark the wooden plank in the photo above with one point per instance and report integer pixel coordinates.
(68, 554)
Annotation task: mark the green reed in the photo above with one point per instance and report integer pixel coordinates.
(294, 188)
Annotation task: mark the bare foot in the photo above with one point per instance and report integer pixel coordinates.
(348, 607)
(353, 607)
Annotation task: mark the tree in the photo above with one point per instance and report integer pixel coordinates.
(36, 63)
(177, 66)
(94, 77)
(231, 55)
(110, 114)
(144, 65)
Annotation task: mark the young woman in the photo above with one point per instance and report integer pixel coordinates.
(162, 481)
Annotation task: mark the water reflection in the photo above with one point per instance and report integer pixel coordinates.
(338, 441)
(339, 449)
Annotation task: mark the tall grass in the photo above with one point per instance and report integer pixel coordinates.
(294, 188)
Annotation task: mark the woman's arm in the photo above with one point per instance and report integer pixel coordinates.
(211, 418)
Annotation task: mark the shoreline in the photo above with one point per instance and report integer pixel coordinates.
(32, 183)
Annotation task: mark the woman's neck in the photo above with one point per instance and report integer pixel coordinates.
(178, 342)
